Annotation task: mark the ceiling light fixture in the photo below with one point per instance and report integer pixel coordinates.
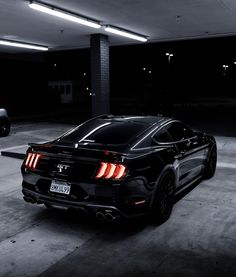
(125, 33)
(23, 45)
(63, 14)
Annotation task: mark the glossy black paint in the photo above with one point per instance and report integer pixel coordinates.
(160, 144)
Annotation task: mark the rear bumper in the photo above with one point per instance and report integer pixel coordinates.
(127, 199)
(91, 208)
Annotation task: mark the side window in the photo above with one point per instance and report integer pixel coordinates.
(179, 131)
(162, 136)
(188, 132)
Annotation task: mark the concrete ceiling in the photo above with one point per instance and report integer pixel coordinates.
(159, 20)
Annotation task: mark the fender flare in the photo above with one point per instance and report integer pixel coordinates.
(167, 168)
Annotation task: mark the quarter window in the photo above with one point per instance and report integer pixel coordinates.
(162, 136)
(179, 131)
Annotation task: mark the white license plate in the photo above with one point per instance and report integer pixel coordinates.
(60, 187)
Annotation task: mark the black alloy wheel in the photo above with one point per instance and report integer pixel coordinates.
(164, 198)
(211, 164)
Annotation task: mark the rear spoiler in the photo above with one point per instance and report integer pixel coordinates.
(68, 149)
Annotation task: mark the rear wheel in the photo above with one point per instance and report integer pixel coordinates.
(4, 127)
(164, 198)
(211, 164)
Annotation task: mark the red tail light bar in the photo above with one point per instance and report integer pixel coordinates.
(32, 160)
(111, 171)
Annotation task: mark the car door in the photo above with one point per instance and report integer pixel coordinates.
(190, 153)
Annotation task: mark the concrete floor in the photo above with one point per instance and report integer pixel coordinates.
(198, 240)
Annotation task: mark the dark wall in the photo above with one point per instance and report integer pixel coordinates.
(193, 79)
(23, 85)
(195, 70)
(194, 76)
(73, 65)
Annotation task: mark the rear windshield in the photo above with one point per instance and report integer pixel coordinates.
(103, 132)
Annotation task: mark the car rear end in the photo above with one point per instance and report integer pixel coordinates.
(97, 178)
(100, 182)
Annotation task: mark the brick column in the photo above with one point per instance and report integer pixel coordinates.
(100, 74)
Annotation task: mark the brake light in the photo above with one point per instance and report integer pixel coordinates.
(32, 160)
(111, 171)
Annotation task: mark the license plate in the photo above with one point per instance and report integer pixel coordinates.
(60, 187)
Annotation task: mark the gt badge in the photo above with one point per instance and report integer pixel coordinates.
(62, 167)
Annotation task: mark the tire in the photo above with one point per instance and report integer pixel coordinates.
(210, 168)
(164, 198)
(5, 127)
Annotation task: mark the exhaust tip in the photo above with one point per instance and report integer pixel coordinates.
(109, 217)
(29, 199)
(100, 216)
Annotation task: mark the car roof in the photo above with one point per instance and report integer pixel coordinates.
(133, 126)
(143, 119)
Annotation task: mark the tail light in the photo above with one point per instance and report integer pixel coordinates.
(32, 160)
(111, 171)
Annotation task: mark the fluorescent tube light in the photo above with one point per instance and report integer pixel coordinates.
(63, 14)
(23, 45)
(124, 33)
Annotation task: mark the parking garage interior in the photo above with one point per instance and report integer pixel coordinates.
(185, 70)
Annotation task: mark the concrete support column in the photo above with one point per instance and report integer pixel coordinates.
(100, 74)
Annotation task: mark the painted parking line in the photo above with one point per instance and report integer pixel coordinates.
(226, 165)
(14, 147)
(17, 152)
(19, 146)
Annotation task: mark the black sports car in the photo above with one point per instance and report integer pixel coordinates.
(5, 125)
(118, 166)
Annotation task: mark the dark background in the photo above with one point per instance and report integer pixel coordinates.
(142, 81)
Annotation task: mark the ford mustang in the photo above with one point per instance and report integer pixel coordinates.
(118, 166)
